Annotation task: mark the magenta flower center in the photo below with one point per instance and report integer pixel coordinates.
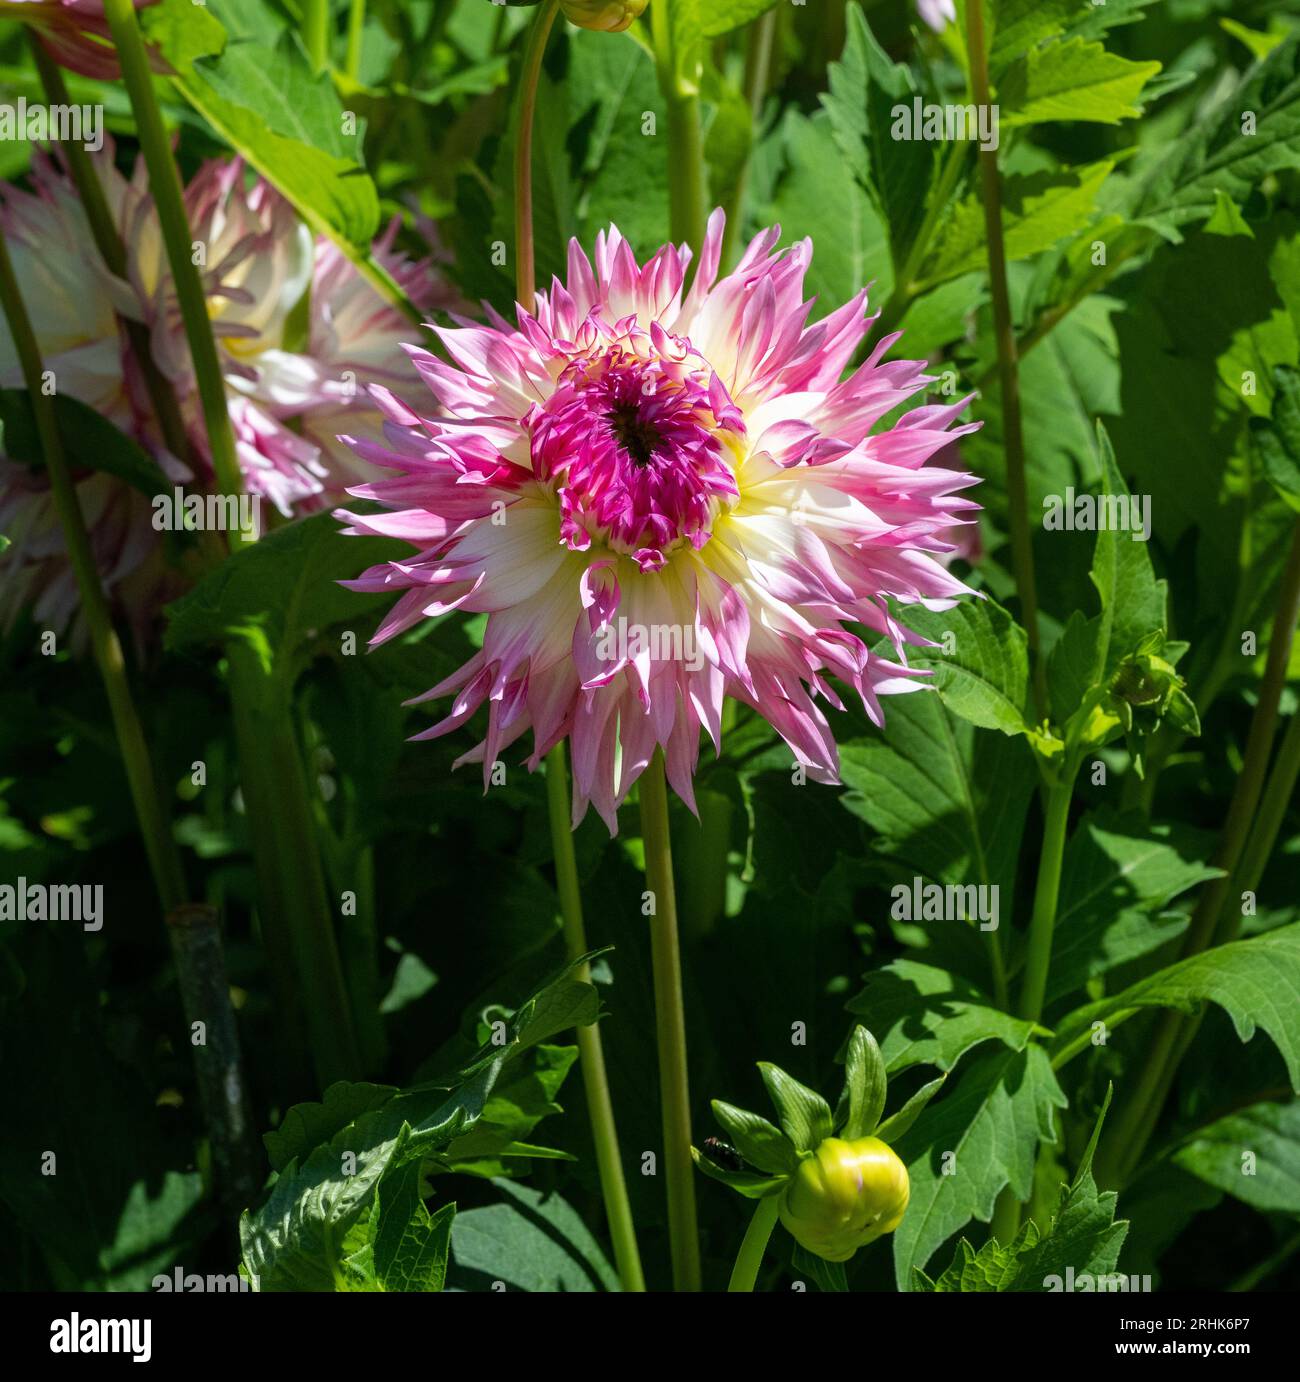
(638, 449)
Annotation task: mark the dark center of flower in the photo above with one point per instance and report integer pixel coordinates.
(638, 450)
(638, 437)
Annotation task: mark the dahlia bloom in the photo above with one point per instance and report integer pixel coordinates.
(286, 405)
(938, 14)
(71, 298)
(75, 32)
(661, 499)
(260, 261)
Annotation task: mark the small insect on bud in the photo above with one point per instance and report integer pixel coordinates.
(606, 16)
(844, 1196)
(722, 1154)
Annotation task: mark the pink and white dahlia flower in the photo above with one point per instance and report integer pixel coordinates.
(73, 303)
(661, 499)
(75, 32)
(938, 14)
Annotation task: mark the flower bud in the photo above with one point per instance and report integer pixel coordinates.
(607, 16)
(844, 1196)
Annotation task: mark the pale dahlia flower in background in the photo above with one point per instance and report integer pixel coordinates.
(259, 261)
(74, 32)
(693, 467)
(71, 297)
(357, 340)
(938, 14)
(286, 406)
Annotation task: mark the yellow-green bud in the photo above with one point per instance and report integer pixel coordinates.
(844, 1196)
(608, 16)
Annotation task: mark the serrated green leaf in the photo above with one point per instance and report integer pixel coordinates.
(410, 1246)
(929, 1016)
(1118, 872)
(964, 1149)
(981, 671)
(721, 16)
(812, 198)
(533, 1241)
(864, 87)
(943, 799)
(1221, 152)
(1076, 79)
(305, 1126)
(296, 1239)
(1226, 219)
(1133, 602)
(1257, 982)
(1253, 1155)
(1039, 211)
(1277, 441)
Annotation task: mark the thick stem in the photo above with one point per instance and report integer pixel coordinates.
(754, 1244)
(591, 1051)
(356, 29)
(525, 253)
(670, 1023)
(687, 191)
(1022, 558)
(291, 885)
(155, 829)
(1046, 894)
(169, 199)
(200, 969)
(109, 243)
(205, 995)
(316, 32)
(1137, 1118)
(285, 849)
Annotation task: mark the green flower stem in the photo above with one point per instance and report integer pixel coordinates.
(286, 855)
(356, 30)
(1259, 848)
(591, 1052)
(110, 246)
(670, 1023)
(758, 64)
(1022, 557)
(1047, 892)
(687, 192)
(285, 849)
(155, 829)
(165, 185)
(525, 254)
(1120, 1153)
(316, 32)
(754, 1244)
